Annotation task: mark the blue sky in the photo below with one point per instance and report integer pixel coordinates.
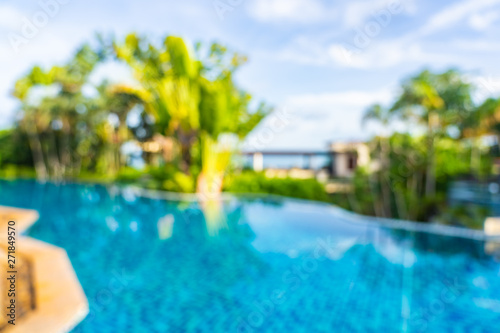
(322, 62)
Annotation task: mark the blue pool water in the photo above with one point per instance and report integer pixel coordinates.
(274, 265)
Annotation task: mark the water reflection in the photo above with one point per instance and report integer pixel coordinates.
(189, 270)
(165, 226)
(214, 214)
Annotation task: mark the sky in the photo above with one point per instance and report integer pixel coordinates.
(319, 63)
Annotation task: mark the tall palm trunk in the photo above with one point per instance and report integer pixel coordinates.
(430, 180)
(378, 209)
(401, 205)
(64, 147)
(123, 135)
(386, 181)
(36, 151)
(53, 156)
(185, 143)
(413, 186)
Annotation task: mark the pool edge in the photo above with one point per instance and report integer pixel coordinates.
(60, 302)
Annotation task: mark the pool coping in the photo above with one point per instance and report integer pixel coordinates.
(24, 218)
(60, 302)
(412, 226)
(429, 228)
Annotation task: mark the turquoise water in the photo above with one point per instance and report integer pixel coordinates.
(274, 265)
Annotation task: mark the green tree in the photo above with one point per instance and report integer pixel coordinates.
(194, 99)
(50, 120)
(485, 120)
(167, 85)
(438, 102)
(383, 116)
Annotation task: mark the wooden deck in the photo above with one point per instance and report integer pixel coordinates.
(48, 293)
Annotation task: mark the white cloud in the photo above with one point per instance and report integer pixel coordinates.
(10, 17)
(381, 54)
(297, 11)
(377, 54)
(358, 12)
(317, 118)
(304, 50)
(341, 55)
(365, 52)
(334, 102)
(486, 86)
(46, 49)
(483, 21)
(411, 47)
(455, 14)
(478, 45)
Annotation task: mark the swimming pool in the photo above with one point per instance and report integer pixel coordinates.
(275, 265)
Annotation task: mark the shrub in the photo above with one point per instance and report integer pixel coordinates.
(252, 182)
(129, 175)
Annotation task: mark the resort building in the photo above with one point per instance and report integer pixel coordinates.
(347, 157)
(340, 161)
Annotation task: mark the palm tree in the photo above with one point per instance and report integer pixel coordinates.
(224, 109)
(30, 125)
(378, 114)
(437, 101)
(192, 100)
(168, 87)
(50, 122)
(485, 120)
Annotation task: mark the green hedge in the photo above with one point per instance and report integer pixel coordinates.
(252, 182)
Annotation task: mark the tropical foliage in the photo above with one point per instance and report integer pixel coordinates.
(181, 116)
(444, 142)
(186, 99)
(253, 182)
(194, 100)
